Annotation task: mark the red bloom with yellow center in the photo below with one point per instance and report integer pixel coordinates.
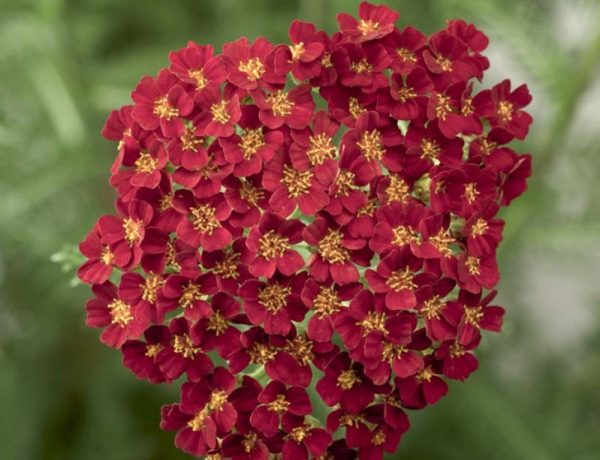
(318, 216)
(161, 103)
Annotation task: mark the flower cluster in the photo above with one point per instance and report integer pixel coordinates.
(306, 227)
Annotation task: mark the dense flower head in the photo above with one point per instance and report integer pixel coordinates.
(308, 226)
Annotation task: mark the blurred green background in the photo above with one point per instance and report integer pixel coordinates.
(64, 64)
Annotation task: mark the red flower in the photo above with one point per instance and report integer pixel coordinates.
(101, 260)
(344, 383)
(457, 361)
(216, 330)
(407, 99)
(196, 64)
(203, 226)
(363, 66)
(203, 413)
(404, 48)
(314, 148)
(303, 440)
(397, 276)
(334, 257)
(274, 304)
(376, 21)
(271, 241)
(292, 188)
(276, 401)
(293, 108)
(140, 356)
(180, 354)
(326, 302)
(220, 113)
(160, 103)
(125, 233)
(446, 58)
(502, 107)
(120, 320)
(377, 141)
(246, 197)
(189, 294)
(302, 57)
(423, 388)
(247, 67)
(252, 147)
(472, 313)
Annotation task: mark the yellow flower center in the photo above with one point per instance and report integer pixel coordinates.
(370, 145)
(253, 68)
(404, 235)
(217, 324)
(296, 182)
(367, 26)
(474, 315)
(279, 405)
(274, 297)
(479, 227)
(331, 249)
(472, 264)
(190, 294)
(444, 63)
(152, 350)
(280, 103)
(347, 379)
(432, 308)
(326, 302)
(272, 245)
(505, 111)
(373, 322)
(120, 312)
(261, 353)
(344, 183)
(228, 267)
(297, 50)
(151, 286)
(204, 220)
(133, 230)
(321, 148)
(189, 140)
(301, 349)
(251, 141)
(406, 93)
(406, 55)
(183, 345)
(299, 433)
(250, 193)
(397, 190)
(354, 107)
(471, 192)
(107, 256)
(425, 375)
(378, 438)
(198, 76)
(392, 352)
(146, 163)
(361, 66)
(401, 279)
(219, 112)
(442, 242)
(430, 150)
(443, 106)
(163, 109)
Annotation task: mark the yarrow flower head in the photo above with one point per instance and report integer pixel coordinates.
(308, 221)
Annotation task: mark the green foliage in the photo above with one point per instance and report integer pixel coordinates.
(64, 64)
